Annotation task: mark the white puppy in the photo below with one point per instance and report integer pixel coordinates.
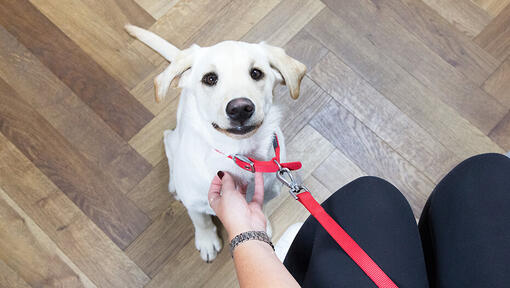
(226, 104)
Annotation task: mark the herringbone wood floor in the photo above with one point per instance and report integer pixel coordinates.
(401, 89)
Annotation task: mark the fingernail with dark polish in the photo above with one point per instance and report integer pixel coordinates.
(220, 174)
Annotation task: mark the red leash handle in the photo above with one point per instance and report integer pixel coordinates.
(345, 241)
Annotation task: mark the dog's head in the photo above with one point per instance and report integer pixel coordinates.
(232, 82)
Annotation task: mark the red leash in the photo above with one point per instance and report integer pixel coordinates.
(301, 193)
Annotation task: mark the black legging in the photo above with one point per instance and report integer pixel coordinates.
(464, 230)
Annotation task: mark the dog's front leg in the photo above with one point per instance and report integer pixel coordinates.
(206, 237)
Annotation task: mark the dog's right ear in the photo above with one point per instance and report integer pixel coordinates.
(171, 75)
(180, 61)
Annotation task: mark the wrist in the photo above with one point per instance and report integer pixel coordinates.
(251, 236)
(233, 232)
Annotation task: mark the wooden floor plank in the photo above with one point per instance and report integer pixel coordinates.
(106, 45)
(306, 49)
(69, 115)
(498, 85)
(116, 13)
(157, 8)
(366, 150)
(394, 41)
(144, 92)
(336, 171)
(410, 96)
(232, 22)
(501, 133)
(105, 95)
(283, 22)
(495, 38)
(10, 278)
(299, 112)
(149, 141)
(74, 233)
(381, 116)
(180, 23)
(441, 37)
(187, 269)
(160, 242)
(466, 16)
(79, 178)
(151, 194)
(30, 252)
(493, 7)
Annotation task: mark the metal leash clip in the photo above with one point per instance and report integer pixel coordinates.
(294, 187)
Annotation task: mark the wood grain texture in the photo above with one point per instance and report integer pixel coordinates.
(27, 249)
(382, 117)
(451, 86)
(144, 92)
(495, 38)
(498, 85)
(75, 68)
(74, 233)
(189, 270)
(80, 179)
(180, 23)
(501, 133)
(151, 194)
(441, 37)
(160, 242)
(493, 7)
(149, 141)
(395, 88)
(106, 45)
(9, 278)
(306, 49)
(298, 112)
(463, 14)
(410, 96)
(283, 22)
(116, 13)
(65, 111)
(232, 21)
(367, 150)
(336, 171)
(157, 8)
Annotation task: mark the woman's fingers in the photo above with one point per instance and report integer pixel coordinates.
(214, 192)
(228, 184)
(258, 195)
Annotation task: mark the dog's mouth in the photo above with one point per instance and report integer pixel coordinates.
(237, 130)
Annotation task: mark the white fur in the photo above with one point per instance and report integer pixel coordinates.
(191, 146)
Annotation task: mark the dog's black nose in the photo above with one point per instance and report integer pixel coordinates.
(240, 109)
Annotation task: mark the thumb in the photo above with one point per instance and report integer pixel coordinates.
(228, 184)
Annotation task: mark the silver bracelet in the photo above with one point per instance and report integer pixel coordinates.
(249, 235)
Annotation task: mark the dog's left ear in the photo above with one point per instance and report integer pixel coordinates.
(171, 75)
(291, 70)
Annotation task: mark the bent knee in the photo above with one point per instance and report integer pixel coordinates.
(370, 192)
(493, 161)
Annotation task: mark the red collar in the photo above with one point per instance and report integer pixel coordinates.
(273, 165)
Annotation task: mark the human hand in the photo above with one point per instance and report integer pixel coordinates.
(229, 204)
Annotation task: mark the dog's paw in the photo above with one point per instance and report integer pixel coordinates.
(208, 244)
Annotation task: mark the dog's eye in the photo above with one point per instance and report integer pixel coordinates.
(256, 74)
(210, 79)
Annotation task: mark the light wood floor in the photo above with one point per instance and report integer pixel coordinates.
(401, 89)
